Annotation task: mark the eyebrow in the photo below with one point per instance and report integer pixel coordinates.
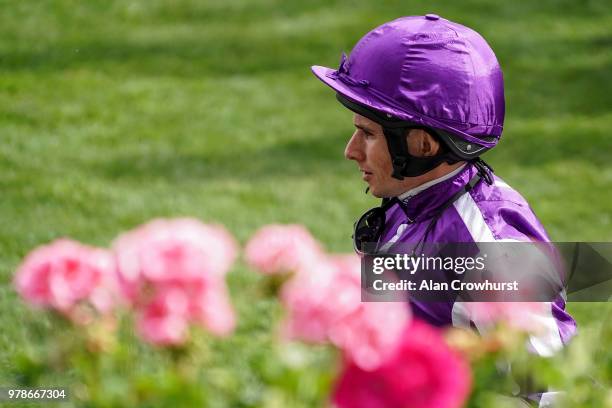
(364, 128)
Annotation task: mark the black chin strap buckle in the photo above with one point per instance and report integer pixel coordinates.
(484, 169)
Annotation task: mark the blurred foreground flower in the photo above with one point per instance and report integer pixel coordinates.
(422, 372)
(173, 273)
(172, 276)
(167, 276)
(69, 277)
(281, 248)
(524, 316)
(323, 303)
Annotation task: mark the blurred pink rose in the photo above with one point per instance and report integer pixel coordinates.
(173, 306)
(164, 321)
(212, 309)
(369, 334)
(323, 303)
(520, 315)
(423, 372)
(310, 301)
(281, 248)
(181, 259)
(180, 250)
(65, 272)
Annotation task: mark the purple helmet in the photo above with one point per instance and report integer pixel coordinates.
(429, 72)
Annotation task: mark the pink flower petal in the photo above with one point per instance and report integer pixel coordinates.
(63, 273)
(422, 372)
(281, 248)
(323, 304)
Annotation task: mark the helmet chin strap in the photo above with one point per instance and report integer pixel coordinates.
(407, 165)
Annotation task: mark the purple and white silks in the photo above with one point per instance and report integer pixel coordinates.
(488, 213)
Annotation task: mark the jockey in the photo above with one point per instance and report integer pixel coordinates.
(428, 101)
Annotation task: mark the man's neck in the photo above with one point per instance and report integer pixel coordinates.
(435, 176)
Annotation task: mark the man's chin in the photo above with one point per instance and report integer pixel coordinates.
(376, 193)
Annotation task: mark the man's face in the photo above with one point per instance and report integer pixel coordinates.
(368, 147)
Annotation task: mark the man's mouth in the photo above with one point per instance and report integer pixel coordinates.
(365, 174)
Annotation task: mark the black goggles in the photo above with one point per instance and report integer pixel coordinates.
(370, 226)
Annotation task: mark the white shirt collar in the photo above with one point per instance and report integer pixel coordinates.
(416, 190)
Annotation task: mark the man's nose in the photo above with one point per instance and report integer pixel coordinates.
(354, 150)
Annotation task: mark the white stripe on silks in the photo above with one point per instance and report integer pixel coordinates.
(545, 343)
(460, 315)
(549, 399)
(393, 240)
(473, 219)
(548, 342)
(500, 183)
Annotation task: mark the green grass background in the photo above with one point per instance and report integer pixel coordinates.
(115, 112)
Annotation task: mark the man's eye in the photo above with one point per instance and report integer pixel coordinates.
(366, 134)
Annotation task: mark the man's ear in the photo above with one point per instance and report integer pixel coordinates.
(421, 143)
